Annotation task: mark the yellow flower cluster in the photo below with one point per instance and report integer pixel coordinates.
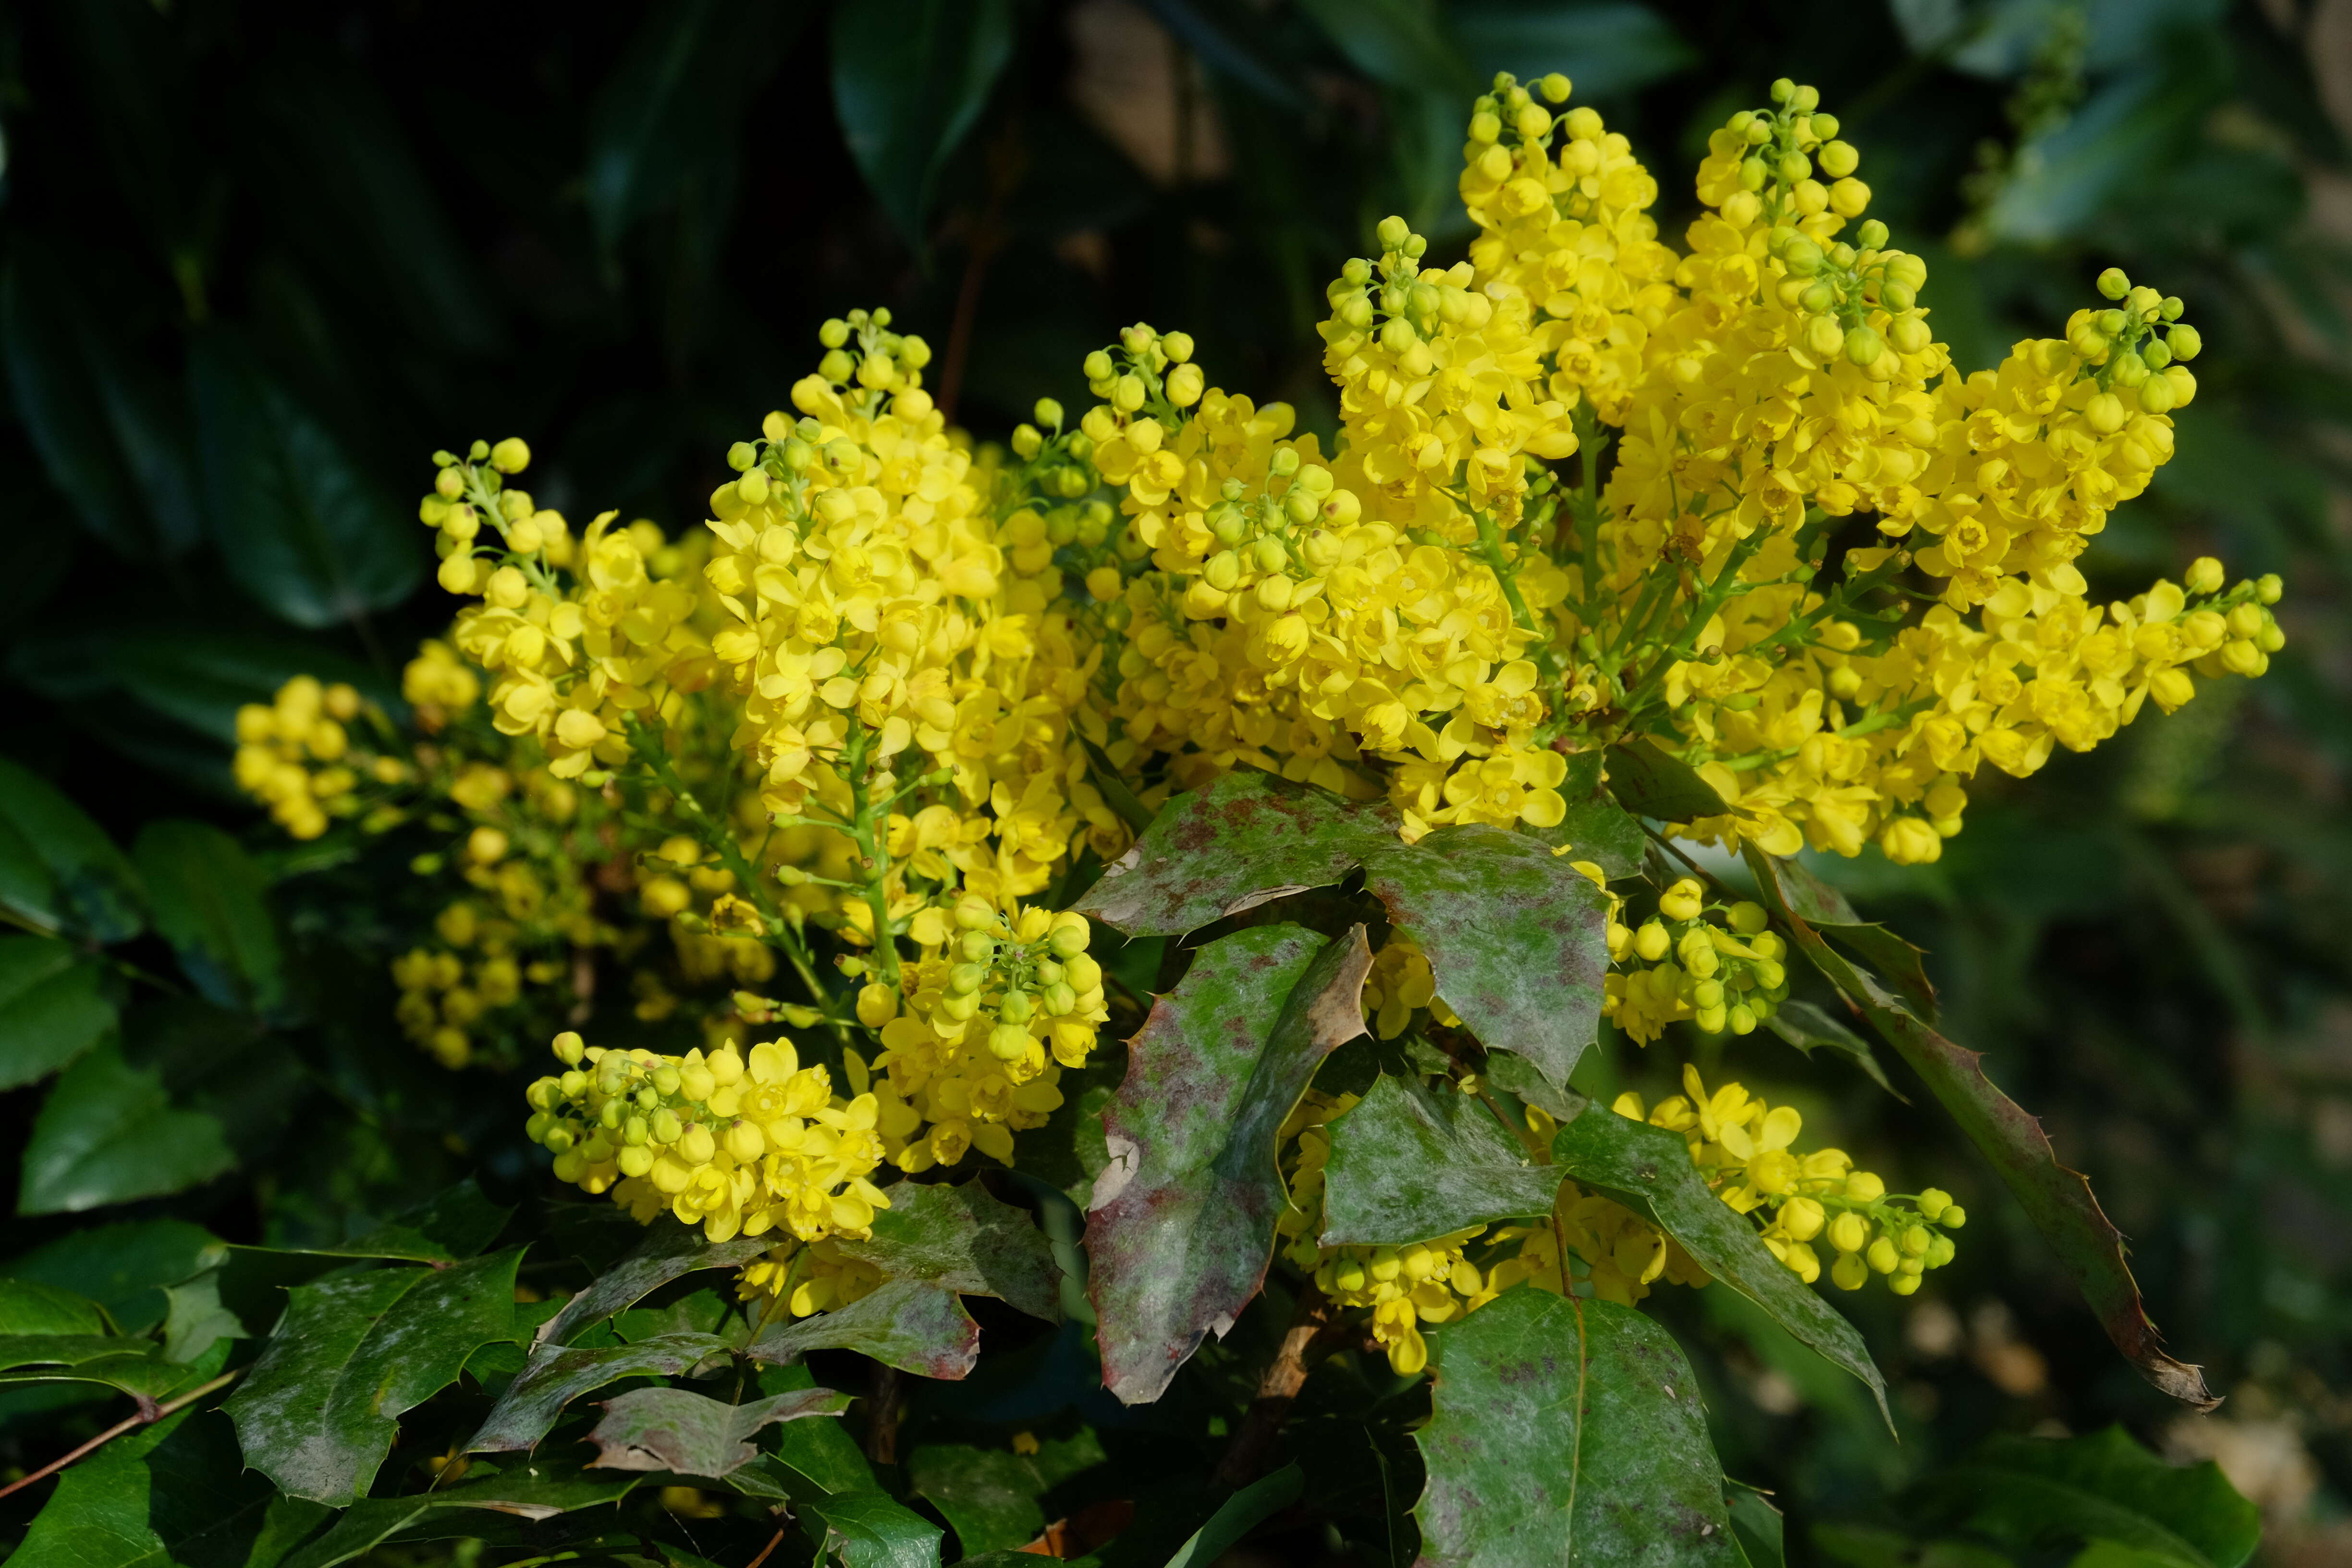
(993, 1015)
(738, 1145)
(807, 1277)
(1719, 968)
(1742, 1146)
(295, 755)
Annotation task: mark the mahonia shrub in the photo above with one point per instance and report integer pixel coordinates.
(1242, 835)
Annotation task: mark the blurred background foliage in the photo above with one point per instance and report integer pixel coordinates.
(257, 259)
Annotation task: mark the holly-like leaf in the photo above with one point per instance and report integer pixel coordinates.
(108, 1133)
(557, 1375)
(1410, 1163)
(1649, 1170)
(2034, 1495)
(129, 1365)
(1567, 1431)
(906, 1323)
(1514, 935)
(990, 1496)
(874, 1530)
(208, 901)
(1809, 1029)
(959, 1239)
(176, 1492)
(54, 1004)
(2056, 1198)
(455, 1223)
(1825, 909)
(299, 527)
(126, 1269)
(677, 1430)
(934, 1243)
(319, 1410)
(1650, 782)
(667, 1252)
(536, 1492)
(1182, 1226)
(59, 870)
(909, 80)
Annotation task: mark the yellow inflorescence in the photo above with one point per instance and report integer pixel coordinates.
(876, 713)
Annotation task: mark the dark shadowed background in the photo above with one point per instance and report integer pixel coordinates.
(261, 259)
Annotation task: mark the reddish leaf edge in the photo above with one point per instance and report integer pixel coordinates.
(2055, 1196)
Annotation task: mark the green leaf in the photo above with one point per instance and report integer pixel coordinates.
(1595, 828)
(58, 869)
(1181, 1225)
(299, 527)
(677, 1430)
(672, 112)
(1514, 935)
(1759, 1527)
(173, 1495)
(906, 1323)
(909, 80)
(134, 1366)
(1567, 1431)
(557, 1375)
(872, 1529)
(195, 1319)
(933, 1243)
(1824, 908)
(319, 1410)
(537, 1492)
(107, 430)
(1409, 1163)
(1649, 1170)
(1238, 1515)
(989, 1497)
(54, 1005)
(29, 1309)
(1809, 1029)
(1606, 48)
(2057, 1199)
(1403, 43)
(961, 1238)
(667, 1252)
(457, 1222)
(108, 1133)
(207, 899)
(1649, 781)
(2033, 1493)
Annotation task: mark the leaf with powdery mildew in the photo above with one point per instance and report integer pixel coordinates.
(906, 1323)
(1408, 1165)
(678, 1431)
(934, 1243)
(668, 1251)
(1564, 1431)
(1182, 1226)
(2058, 1199)
(1515, 936)
(1248, 839)
(318, 1412)
(1649, 1170)
(558, 1376)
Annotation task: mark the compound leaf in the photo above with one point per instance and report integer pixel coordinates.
(1567, 1431)
(1181, 1225)
(319, 1410)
